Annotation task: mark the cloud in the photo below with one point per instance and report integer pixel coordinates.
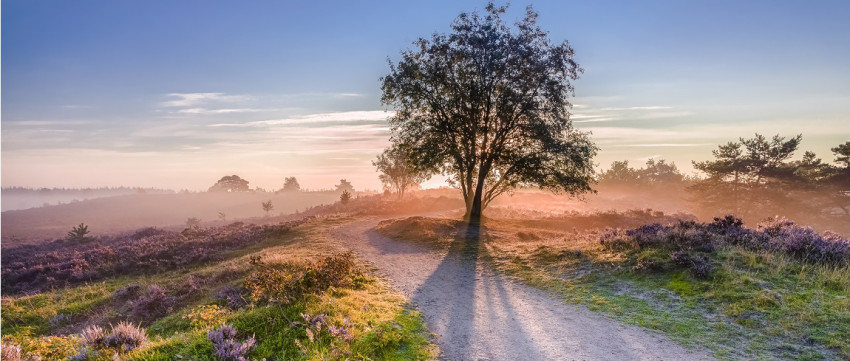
(335, 117)
(41, 123)
(193, 99)
(651, 107)
(667, 145)
(220, 111)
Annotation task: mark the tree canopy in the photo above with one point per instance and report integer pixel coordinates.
(344, 186)
(657, 173)
(231, 183)
(397, 171)
(290, 184)
(487, 105)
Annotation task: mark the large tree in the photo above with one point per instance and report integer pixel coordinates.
(488, 105)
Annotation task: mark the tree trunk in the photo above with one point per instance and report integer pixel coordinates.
(476, 209)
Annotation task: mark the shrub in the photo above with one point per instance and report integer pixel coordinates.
(294, 280)
(231, 297)
(153, 304)
(125, 337)
(206, 316)
(226, 347)
(11, 352)
(691, 245)
(804, 243)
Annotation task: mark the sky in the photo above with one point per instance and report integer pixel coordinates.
(177, 94)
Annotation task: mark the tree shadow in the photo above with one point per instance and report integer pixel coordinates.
(450, 291)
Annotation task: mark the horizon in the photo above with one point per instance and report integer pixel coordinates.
(176, 96)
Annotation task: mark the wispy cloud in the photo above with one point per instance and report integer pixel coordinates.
(220, 111)
(651, 107)
(41, 123)
(335, 117)
(667, 145)
(193, 99)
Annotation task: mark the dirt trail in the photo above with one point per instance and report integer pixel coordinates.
(479, 315)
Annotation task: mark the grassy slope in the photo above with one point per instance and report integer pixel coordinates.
(384, 328)
(755, 305)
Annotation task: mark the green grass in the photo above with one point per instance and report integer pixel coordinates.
(754, 306)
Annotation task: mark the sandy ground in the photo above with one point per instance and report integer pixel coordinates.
(479, 315)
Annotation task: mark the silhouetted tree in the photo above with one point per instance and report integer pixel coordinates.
(230, 183)
(838, 180)
(749, 175)
(344, 186)
(620, 174)
(79, 233)
(290, 184)
(397, 170)
(345, 197)
(488, 105)
(661, 173)
(658, 173)
(268, 206)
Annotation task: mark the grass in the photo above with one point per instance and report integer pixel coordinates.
(754, 305)
(381, 324)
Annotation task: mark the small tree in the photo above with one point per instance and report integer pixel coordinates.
(344, 186)
(397, 171)
(345, 197)
(79, 233)
(267, 206)
(222, 216)
(230, 183)
(290, 184)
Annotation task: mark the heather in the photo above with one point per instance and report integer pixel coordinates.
(228, 307)
(693, 246)
(148, 250)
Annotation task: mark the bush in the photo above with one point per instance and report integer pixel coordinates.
(206, 316)
(226, 347)
(11, 352)
(294, 280)
(124, 338)
(153, 304)
(231, 297)
(691, 245)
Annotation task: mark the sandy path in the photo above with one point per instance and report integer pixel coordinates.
(479, 315)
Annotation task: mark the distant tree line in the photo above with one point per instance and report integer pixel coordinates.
(754, 178)
(235, 183)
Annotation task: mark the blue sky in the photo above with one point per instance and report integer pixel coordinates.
(178, 93)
